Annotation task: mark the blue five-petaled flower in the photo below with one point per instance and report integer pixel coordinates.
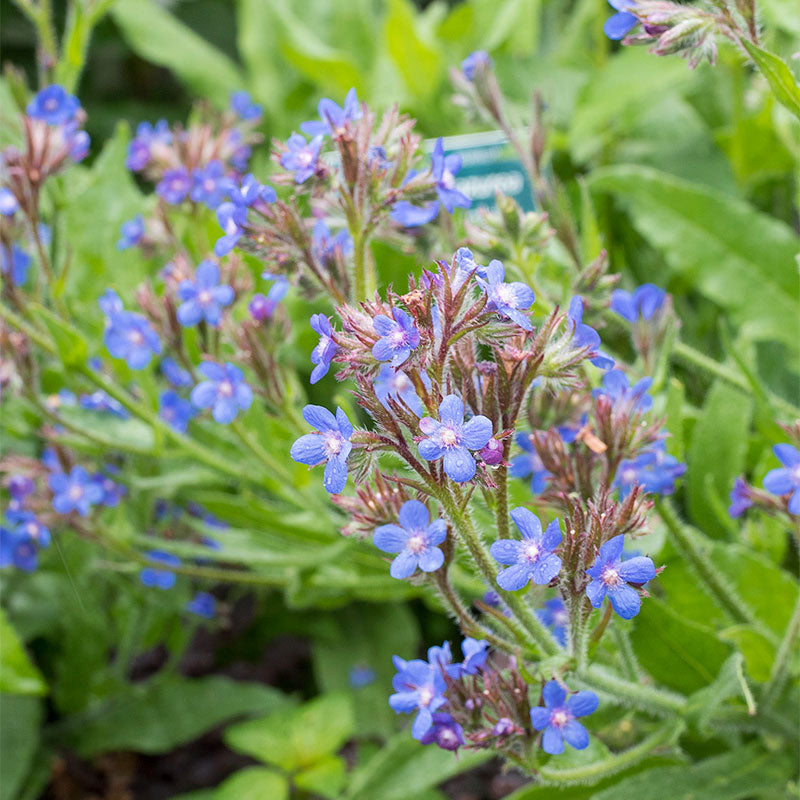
(325, 349)
(419, 686)
(75, 491)
(128, 335)
(528, 463)
(54, 105)
(225, 392)
(508, 299)
(451, 439)
(204, 297)
(612, 576)
(533, 557)
(644, 301)
(584, 336)
(301, 156)
(786, 479)
(333, 118)
(399, 336)
(415, 539)
(330, 444)
(557, 718)
(159, 577)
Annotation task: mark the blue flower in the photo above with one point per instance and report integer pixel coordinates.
(8, 203)
(330, 444)
(113, 492)
(419, 686)
(203, 604)
(644, 302)
(399, 336)
(395, 384)
(140, 150)
(477, 61)
(533, 557)
(174, 410)
(210, 185)
(325, 245)
(158, 577)
(131, 337)
(586, 336)
(654, 470)
(75, 491)
(204, 297)
(19, 264)
(445, 168)
(244, 107)
(131, 232)
(554, 615)
(175, 185)
(611, 576)
(262, 306)
(54, 105)
(174, 373)
(20, 486)
(451, 438)
(411, 216)
(508, 299)
(361, 675)
(225, 392)
(415, 539)
(104, 403)
(28, 526)
(326, 348)
(528, 463)
(17, 551)
(619, 25)
(77, 141)
(741, 498)
(232, 219)
(445, 732)
(625, 397)
(787, 478)
(557, 718)
(333, 119)
(301, 156)
(475, 654)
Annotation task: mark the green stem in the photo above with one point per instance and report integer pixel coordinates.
(365, 281)
(780, 667)
(625, 653)
(687, 542)
(480, 554)
(630, 693)
(501, 508)
(590, 773)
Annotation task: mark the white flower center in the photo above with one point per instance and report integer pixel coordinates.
(448, 179)
(398, 338)
(226, 388)
(559, 718)
(447, 736)
(449, 437)
(32, 529)
(416, 544)
(305, 157)
(505, 294)
(425, 696)
(75, 492)
(796, 474)
(629, 475)
(333, 444)
(209, 184)
(532, 551)
(136, 338)
(610, 576)
(204, 297)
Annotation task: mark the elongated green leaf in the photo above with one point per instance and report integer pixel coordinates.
(717, 452)
(17, 674)
(156, 716)
(757, 649)
(678, 652)
(739, 774)
(417, 59)
(70, 343)
(778, 75)
(20, 718)
(718, 242)
(158, 36)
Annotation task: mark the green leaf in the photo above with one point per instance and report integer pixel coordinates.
(757, 649)
(19, 738)
(18, 675)
(414, 55)
(716, 242)
(404, 768)
(159, 37)
(778, 75)
(70, 343)
(741, 773)
(717, 452)
(156, 716)
(253, 783)
(296, 738)
(678, 652)
(373, 635)
(325, 778)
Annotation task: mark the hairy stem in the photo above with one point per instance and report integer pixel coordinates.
(780, 667)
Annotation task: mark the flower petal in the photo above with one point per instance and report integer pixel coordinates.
(477, 432)
(540, 717)
(554, 694)
(514, 578)
(779, 481)
(546, 569)
(575, 734)
(414, 515)
(612, 549)
(788, 456)
(527, 522)
(320, 418)
(309, 449)
(552, 741)
(596, 592)
(404, 565)
(625, 600)
(451, 409)
(390, 538)
(583, 703)
(552, 536)
(505, 551)
(459, 464)
(335, 475)
(637, 570)
(431, 559)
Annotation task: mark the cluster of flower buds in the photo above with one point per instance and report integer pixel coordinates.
(53, 137)
(674, 28)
